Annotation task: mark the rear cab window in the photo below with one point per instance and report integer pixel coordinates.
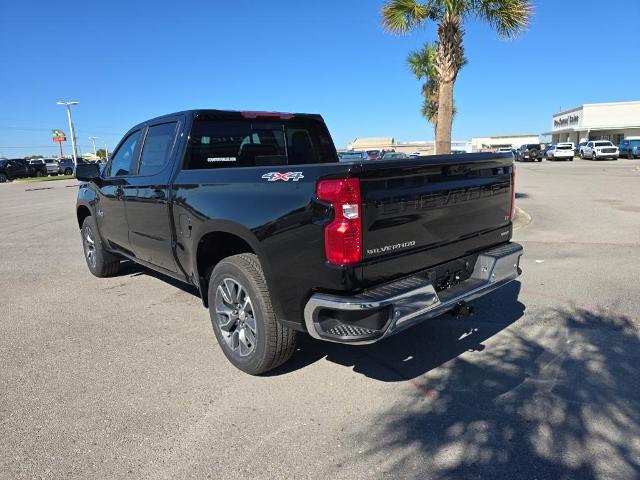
(246, 142)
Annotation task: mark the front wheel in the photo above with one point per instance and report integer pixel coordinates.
(3, 178)
(68, 171)
(243, 319)
(39, 174)
(100, 262)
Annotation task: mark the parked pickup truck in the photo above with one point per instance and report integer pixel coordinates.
(279, 237)
(20, 168)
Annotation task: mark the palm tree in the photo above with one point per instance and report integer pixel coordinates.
(508, 17)
(422, 64)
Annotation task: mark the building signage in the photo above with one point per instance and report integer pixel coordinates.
(570, 120)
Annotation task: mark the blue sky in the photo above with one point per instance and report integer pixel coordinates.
(129, 61)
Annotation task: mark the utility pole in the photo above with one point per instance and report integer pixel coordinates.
(93, 140)
(106, 150)
(73, 133)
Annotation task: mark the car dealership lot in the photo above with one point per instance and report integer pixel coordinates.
(117, 377)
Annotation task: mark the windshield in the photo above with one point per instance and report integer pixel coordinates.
(604, 144)
(634, 143)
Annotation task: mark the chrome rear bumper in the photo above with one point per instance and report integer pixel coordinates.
(406, 302)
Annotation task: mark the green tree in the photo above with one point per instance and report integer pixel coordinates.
(507, 17)
(102, 153)
(422, 64)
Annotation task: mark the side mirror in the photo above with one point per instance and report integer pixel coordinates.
(87, 171)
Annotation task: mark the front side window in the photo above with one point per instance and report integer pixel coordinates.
(122, 160)
(157, 147)
(253, 143)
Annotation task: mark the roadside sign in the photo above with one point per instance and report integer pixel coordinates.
(58, 135)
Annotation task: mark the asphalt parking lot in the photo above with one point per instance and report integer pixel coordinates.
(122, 377)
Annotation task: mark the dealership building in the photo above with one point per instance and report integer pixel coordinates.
(596, 121)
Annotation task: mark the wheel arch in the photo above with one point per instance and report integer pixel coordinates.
(220, 241)
(82, 212)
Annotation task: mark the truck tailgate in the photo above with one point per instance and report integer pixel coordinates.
(418, 205)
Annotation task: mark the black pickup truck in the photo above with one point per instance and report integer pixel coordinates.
(20, 168)
(255, 210)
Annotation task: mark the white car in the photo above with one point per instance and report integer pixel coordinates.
(561, 151)
(599, 150)
(504, 150)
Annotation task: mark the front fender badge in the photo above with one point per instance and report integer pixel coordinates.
(285, 177)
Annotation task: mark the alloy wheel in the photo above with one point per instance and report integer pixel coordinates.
(235, 317)
(89, 247)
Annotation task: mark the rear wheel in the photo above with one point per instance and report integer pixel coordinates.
(243, 319)
(3, 178)
(100, 262)
(39, 173)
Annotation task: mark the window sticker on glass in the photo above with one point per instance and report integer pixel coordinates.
(205, 140)
(221, 159)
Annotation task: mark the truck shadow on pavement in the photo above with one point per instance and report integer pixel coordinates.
(559, 400)
(422, 348)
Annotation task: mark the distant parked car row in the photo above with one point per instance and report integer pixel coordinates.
(19, 168)
(13, 168)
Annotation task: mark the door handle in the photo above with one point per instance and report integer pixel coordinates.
(119, 193)
(157, 194)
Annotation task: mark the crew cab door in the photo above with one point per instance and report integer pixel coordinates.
(148, 196)
(110, 210)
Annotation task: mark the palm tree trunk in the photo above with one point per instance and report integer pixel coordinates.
(449, 58)
(445, 118)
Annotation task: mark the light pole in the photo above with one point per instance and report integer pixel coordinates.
(72, 131)
(106, 151)
(93, 140)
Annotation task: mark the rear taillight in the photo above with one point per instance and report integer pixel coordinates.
(512, 212)
(343, 236)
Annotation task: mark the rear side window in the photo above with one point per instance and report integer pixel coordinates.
(254, 143)
(157, 147)
(122, 160)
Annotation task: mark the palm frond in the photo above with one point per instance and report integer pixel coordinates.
(422, 63)
(402, 16)
(508, 17)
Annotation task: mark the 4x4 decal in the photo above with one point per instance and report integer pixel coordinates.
(285, 177)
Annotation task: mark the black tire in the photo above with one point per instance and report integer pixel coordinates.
(68, 171)
(3, 178)
(581, 156)
(629, 156)
(594, 155)
(271, 343)
(39, 173)
(534, 155)
(101, 263)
